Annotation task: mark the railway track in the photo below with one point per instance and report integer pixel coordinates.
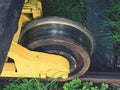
(99, 77)
(96, 77)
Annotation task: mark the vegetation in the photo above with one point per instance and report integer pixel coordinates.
(114, 20)
(34, 84)
(72, 9)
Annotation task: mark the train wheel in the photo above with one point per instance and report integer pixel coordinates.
(62, 37)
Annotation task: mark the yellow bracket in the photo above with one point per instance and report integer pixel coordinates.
(33, 7)
(34, 64)
(30, 63)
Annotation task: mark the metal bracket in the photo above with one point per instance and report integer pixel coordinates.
(34, 64)
(30, 63)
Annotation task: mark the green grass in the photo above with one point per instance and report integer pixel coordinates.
(72, 9)
(34, 84)
(114, 20)
(30, 84)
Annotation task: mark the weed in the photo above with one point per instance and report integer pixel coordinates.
(72, 85)
(25, 84)
(72, 9)
(114, 20)
(77, 84)
(34, 84)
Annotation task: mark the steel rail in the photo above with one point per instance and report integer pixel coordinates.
(99, 77)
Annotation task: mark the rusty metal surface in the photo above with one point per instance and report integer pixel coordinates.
(100, 77)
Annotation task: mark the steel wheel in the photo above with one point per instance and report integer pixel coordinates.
(63, 37)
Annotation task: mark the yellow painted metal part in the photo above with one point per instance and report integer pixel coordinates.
(34, 64)
(30, 63)
(33, 7)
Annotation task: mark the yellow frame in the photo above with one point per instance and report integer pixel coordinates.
(30, 63)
